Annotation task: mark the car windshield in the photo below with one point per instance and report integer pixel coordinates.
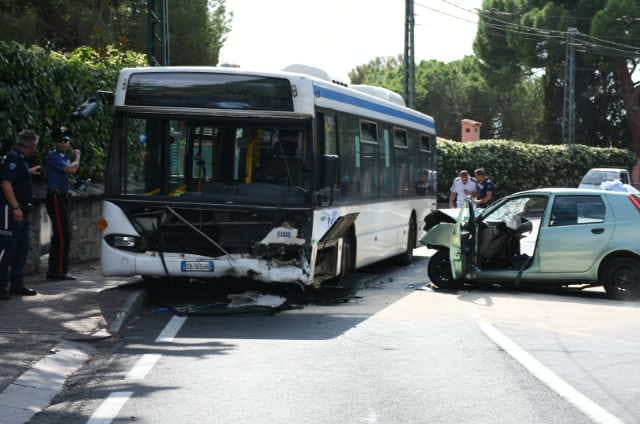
(597, 177)
(529, 207)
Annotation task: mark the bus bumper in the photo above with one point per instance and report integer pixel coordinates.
(123, 263)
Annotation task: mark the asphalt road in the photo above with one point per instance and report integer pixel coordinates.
(392, 355)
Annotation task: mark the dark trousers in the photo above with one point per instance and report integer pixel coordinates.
(58, 210)
(14, 247)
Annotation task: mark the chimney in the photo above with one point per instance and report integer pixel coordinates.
(470, 130)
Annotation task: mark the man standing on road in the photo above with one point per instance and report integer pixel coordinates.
(463, 187)
(487, 188)
(15, 205)
(57, 169)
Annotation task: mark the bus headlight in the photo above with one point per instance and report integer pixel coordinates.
(123, 242)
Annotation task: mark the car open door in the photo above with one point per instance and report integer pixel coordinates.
(462, 241)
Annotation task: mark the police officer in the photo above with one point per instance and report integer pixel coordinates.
(15, 205)
(58, 166)
(487, 188)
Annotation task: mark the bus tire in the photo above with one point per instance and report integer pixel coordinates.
(406, 258)
(347, 260)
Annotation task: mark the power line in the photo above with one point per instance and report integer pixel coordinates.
(492, 25)
(611, 48)
(527, 28)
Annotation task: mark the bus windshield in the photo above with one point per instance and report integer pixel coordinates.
(212, 161)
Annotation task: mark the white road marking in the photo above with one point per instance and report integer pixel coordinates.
(111, 406)
(143, 366)
(109, 409)
(548, 377)
(171, 329)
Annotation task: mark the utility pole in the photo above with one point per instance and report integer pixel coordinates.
(569, 104)
(158, 22)
(409, 56)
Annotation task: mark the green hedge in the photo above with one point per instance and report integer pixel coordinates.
(517, 166)
(40, 89)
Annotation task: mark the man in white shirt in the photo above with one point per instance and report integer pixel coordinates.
(463, 187)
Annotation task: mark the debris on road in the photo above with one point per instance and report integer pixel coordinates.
(419, 286)
(247, 303)
(253, 298)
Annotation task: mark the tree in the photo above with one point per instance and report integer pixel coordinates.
(517, 37)
(197, 27)
(456, 90)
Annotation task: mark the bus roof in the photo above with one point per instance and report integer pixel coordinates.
(311, 92)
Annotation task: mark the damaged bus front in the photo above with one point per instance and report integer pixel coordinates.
(198, 186)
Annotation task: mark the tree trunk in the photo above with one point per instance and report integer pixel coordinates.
(631, 97)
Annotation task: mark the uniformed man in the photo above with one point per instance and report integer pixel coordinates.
(15, 205)
(487, 189)
(58, 166)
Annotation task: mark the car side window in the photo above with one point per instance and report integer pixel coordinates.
(575, 210)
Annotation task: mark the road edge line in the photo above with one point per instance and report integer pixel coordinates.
(548, 377)
(109, 408)
(171, 329)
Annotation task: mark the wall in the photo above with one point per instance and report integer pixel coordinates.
(85, 237)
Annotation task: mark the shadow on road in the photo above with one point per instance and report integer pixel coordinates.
(483, 294)
(314, 314)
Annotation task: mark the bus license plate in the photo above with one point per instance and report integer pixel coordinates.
(196, 266)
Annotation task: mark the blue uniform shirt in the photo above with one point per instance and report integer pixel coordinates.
(54, 166)
(15, 169)
(486, 186)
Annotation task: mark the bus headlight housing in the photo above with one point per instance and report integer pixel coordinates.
(125, 242)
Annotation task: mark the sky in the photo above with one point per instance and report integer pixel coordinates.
(338, 35)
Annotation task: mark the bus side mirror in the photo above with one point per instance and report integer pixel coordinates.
(329, 170)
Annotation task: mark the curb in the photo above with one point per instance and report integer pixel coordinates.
(130, 307)
(33, 391)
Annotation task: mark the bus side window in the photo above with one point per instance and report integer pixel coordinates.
(401, 161)
(386, 164)
(349, 147)
(369, 159)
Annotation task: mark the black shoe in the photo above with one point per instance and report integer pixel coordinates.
(60, 277)
(24, 291)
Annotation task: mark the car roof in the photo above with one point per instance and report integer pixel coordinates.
(569, 191)
(608, 169)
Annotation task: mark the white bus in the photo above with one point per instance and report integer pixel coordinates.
(278, 177)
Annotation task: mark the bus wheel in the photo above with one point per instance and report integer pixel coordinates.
(347, 259)
(406, 258)
(439, 271)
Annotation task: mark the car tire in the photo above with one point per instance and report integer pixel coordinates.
(622, 278)
(439, 271)
(406, 258)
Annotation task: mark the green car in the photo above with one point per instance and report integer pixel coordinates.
(555, 236)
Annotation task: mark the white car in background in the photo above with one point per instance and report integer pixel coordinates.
(596, 176)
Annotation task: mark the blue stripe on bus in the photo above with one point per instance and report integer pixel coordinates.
(366, 104)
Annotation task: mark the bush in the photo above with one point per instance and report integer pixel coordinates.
(516, 166)
(40, 90)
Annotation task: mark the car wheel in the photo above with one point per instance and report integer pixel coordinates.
(622, 278)
(439, 271)
(406, 258)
